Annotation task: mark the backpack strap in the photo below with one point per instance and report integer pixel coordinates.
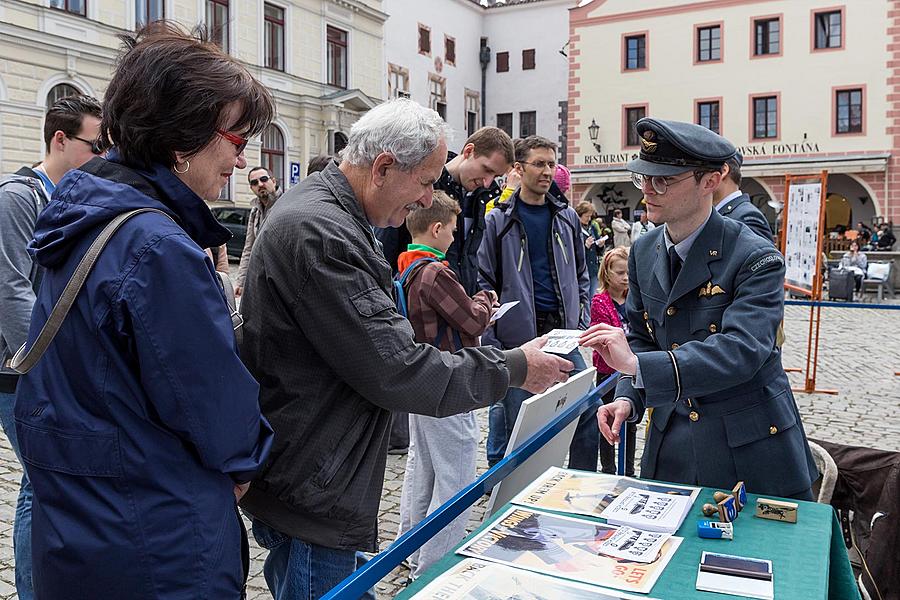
(401, 281)
(24, 361)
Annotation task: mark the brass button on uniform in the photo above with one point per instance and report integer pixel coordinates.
(671, 311)
(713, 328)
(674, 346)
(694, 416)
(773, 430)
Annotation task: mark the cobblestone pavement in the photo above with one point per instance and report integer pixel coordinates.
(858, 355)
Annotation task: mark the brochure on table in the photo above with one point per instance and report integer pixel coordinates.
(585, 493)
(567, 547)
(649, 511)
(474, 579)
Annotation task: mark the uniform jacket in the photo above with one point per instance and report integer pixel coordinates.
(22, 198)
(743, 210)
(140, 418)
(334, 358)
(710, 340)
(438, 305)
(504, 267)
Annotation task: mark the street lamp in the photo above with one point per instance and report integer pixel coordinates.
(593, 132)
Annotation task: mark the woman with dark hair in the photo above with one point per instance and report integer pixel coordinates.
(856, 262)
(140, 425)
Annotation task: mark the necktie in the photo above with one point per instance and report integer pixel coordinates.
(674, 265)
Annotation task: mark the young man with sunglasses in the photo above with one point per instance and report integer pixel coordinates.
(266, 192)
(704, 303)
(71, 128)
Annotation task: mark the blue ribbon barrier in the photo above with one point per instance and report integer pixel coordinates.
(383, 563)
(840, 304)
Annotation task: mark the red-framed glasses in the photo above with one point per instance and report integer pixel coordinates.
(239, 142)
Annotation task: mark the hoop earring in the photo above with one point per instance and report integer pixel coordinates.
(187, 165)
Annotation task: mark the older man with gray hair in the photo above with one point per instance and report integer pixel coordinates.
(334, 358)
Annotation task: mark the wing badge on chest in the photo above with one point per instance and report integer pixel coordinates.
(710, 289)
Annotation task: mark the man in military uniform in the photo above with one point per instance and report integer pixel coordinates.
(731, 202)
(704, 303)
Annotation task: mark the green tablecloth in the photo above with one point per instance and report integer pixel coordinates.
(809, 560)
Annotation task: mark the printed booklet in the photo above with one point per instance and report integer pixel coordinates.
(567, 547)
(478, 580)
(586, 493)
(649, 511)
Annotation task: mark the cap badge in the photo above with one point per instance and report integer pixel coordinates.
(647, 143)
(710, 290)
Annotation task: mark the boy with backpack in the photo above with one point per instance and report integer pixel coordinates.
(443, 451)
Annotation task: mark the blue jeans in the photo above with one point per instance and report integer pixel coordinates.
(296, 570)
(22, 526)
(502, 417)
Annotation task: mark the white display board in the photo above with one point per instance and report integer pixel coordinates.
(534, 414)
(801, 248)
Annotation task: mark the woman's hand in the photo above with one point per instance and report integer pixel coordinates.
(610, 342)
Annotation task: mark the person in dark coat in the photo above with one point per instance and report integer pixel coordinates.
(140, 426)
(704, 303)
(731, 202)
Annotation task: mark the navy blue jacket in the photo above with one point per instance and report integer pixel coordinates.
(140, 418)
(504, 267)
(723, 410)
(743, 210)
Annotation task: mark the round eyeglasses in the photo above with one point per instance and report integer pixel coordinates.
(659, 183)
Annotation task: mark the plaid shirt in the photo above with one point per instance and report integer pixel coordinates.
(435, 296)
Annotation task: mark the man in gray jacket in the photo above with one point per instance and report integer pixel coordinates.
(334, 358)
(266, 191)
(532, 253)
(70, 129)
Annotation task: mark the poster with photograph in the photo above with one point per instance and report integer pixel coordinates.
(479, 580)
(586, 493)
(801, 246)
(566, 547)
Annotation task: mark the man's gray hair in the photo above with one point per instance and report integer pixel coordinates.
(403, 128)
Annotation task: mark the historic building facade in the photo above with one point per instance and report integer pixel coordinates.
(322, 60)
(800, 86)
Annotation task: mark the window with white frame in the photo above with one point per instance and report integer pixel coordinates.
(398, 81)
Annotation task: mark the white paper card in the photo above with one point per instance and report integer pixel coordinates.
(562, 341)
(634, 544)
(502, 310)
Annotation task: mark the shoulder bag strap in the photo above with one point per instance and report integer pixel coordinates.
(24, 361)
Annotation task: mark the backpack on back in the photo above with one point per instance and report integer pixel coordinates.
(401, 284)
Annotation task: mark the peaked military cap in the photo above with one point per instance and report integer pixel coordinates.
(672, 147)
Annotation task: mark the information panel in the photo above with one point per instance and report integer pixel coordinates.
(803, 234)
